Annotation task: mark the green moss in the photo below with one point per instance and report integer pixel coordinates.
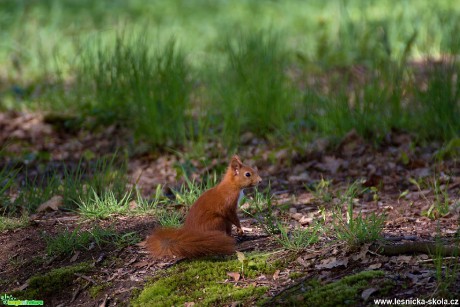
(201, 281)
(295, 275)
(54, 281)
(95, 290)
(340, 293)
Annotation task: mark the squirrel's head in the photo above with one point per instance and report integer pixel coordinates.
(243, 175)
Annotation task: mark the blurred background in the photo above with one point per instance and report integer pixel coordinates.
(179, 72)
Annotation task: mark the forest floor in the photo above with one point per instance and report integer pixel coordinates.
(418, 194)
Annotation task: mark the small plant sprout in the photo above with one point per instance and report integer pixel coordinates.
(189, 192)
(356, 229)
(104, 206)
(447, 269)
(440, 205)
(299, 238)
(170, 217)
(322, 191)
(144, 205)
(67, 242)
(261, 209)
(243, 260)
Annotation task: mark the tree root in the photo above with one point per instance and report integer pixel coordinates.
(430, 248)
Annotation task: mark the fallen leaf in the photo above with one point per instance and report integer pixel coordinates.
(362, 253)
(141, 244)
(234, 275)
(404, 259)
(301, 177)
(296, 216)
(75, 256)
(332, 164)
(332, 263)
(305, 220)
(189, 304)
(52, 204)
(302, 262)
(375, 266)
(141, 264)
(276, 275)
(368, 292)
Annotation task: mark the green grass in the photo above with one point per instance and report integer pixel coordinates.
(439, 206)
(298, 239)
(253, 91)
(355, 229)
(446, 273)
(189, 192)
(7, 182)
(104, 206)
(216, 70)
(75, 185)
(134, 83)
(170, 218)
(261, 208)
(7, 223)
(67, 242)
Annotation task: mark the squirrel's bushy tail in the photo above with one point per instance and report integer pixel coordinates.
(189, 243)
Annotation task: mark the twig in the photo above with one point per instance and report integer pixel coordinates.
(85, 278)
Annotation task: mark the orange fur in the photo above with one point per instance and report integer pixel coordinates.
(208, 226)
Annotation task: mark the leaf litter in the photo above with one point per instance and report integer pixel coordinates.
(391, 169)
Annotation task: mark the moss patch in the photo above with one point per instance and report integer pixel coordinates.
(95, 290)
(345, 292)
(202, 282)
(54, 281)
(7, 223)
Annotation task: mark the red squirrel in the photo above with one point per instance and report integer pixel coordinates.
(208, 225)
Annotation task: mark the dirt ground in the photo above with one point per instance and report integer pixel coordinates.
(391, 168)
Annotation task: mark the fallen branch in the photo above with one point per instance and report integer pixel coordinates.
(431, 248)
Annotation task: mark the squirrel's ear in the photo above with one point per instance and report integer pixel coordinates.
(236, 164)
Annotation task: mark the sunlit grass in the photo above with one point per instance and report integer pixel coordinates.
(177, 71)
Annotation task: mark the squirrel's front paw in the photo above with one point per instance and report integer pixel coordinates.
(239, 232)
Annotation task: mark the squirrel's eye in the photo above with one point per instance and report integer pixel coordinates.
(248, 174)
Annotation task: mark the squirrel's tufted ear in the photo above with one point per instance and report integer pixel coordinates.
(235, 165)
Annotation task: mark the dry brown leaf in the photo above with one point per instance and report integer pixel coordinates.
(332, 164)
(332, 263)
(276, 275)
(141, 264)
(305, 220)
(404, 259)
(234, 275)
(302, 262)
(362, 253)
(52, 204)
(75, 256)
(375, 266)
